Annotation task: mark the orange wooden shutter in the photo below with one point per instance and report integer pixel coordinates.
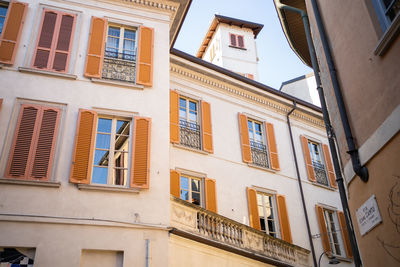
(254, 218)
(211, 195)
(206, 127)
(345, 234)
(95, 53)
(141, 152)
(12, 28)
(329, 167)
(174, 117)
(307, 159)
(175, 183)
(322, 228)
(272, 149)
(286, 234)
(145, 56)
(244, 138)
(82, 157)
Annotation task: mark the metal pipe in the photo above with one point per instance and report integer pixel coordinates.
(330, 133)
(300, 185)
(147, 252)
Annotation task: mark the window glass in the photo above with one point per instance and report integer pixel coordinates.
(267, 214)
(129, 42)
(191, 189)
(121, 43)
(113, 40)
(3, 13)
(334, 232)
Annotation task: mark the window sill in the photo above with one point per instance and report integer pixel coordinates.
(324, 186)
(118, 83)
(48, 73)
(30, 182)
(388, 37)
(237, 47)
(340, 258)
(261, 168)
(190, 149)
(112, 188)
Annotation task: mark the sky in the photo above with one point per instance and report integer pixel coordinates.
(277, 61)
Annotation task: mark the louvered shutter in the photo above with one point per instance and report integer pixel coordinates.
(174, 117)
(47, 31)
(345, 234)
(12, 29)
(286, 233)
(307, 159)
(206, 127)
(233, 39)
(211, 195)
(329, 166)
(175, 183)
(96, 43)
(272, 148)
(64, 43)
(244, 138)
(141, 152)
(82, 157)
(322, 229)
(240, 41)
(145, 56)
(254, 218)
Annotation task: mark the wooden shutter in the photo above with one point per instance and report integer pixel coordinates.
(174, 117)
(34, 141)
(233, 39)
(206, 127)
(322, 228)
(240, 41)
(307, 159)
(329, 166)
(211, 195)
(64, 43)
(145, 56)
(11, 32)
(95, 52)
(44, 45)
(175, 183)
(254, 218)
(286, 233)
(345, 234)
(244, 138)
(141, 152)
(82, 157)
(272, 148)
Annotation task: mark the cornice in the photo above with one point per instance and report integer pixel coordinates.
(239, 91)
(155, 4)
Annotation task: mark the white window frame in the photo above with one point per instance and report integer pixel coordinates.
(275, 212)
(380, 9)
(190, 191)
(122, 38)
(332, 233)
(322, 160)
(188, 100)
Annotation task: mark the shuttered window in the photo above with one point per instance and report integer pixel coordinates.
(54, 43)
(32, 151)
(236, 40)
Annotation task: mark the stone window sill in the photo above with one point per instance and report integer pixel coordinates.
(388, 37)
(324, 186)
(191, 149)
(48, 73)
(261, 168)
(118, 83)
(237, 47)
(30, 182)
(112, 188)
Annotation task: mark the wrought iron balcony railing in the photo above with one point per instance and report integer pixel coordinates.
(259, 154)
(320, 173)
(119, 66)
(189, 134)
(208, 225)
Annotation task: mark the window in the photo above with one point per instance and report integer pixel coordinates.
(333, 232)
(3, 13)
(54, 42)
(34, 142)
(190, 122)
(386, 11)
(268, 213)
(111, 150)
(258, 143)
(318, 162)
(120, 52)
(197, 190)
(236, 40)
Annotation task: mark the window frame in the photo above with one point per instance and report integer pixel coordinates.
(7, 5)
(236, 38)
(322, 161)
(201, 180)
(275, 212)
(380, 10)
(257, 145)
(121, 38)
(339, 234)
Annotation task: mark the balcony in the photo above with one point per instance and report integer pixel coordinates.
(196, 223)
(189, 134)
(119, 66)
(320, 173)
(259, 154)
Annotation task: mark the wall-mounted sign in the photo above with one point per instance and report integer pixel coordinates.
(368, 215)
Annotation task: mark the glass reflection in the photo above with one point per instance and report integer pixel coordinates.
(104, 125)
(123, 127)
(101, 157)
(184, 183)
(120, 176)
(99, 175)
(103, 141)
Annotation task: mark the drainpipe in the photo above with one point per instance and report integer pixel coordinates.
(147, 253)
(330, 133)
(301, 186)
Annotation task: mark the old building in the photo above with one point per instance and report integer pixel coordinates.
(118, 150)
(358, 47)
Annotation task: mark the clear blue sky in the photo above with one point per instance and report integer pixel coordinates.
(278, 62)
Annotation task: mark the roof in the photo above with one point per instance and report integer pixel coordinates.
(241, 78)
(293, 27)
(178, 18)
(255, 27)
